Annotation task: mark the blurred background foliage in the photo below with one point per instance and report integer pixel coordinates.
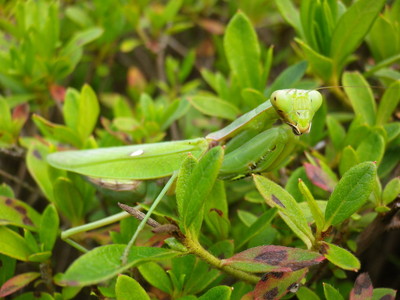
(87, 74)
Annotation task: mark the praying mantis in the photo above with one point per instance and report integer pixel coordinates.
(252, 145)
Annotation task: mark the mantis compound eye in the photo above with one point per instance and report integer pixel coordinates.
(315, 100)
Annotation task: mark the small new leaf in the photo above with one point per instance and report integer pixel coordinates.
(340, 257)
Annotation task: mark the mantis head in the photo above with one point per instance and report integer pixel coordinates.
(297, 107)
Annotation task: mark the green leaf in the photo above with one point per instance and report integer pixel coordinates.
(40, 256)
(88, 112)
(5, 120)
(312, 204)
(71, 108)
(362, 289)
(388, 104)
(7, 268)
(273, 259)
(252, 97)
(307, 212)
(199, 184)
(351, 29)
(86, 270)
(221, 292)
(288, 78)
(340, 257)
(48, 231)
(81, 111)
(59, 132)
(392, 131)
(214, 106)
(290, 14)
(17, 282)
(306, 294)
(126, 287)
(73, 49)
(391, 191)
(6, 191)
(216, 211)
(182, 182)
(382, 293)
(336, 131)
(349, 159)
(156, 276)
(288, 208)
(243, 51)
(13, 245)
(260, 224)
(321, 65)
(275, 285)
(17, 213)
(197, 274)
(68, 200)
(267, 64)
(389, 161)
(31, 241)
(246, 217)
(351, 193)
(361, 99)
(331, 293)
(372, 148)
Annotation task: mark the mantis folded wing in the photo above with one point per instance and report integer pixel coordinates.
(258, 147)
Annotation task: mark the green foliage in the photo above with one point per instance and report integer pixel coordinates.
(101, 101)
(127, 286)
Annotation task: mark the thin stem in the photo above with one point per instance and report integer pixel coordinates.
(76, 245)
(195, 248)
(144, 221)
(94, 225)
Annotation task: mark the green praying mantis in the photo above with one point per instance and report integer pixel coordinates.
(252, 145)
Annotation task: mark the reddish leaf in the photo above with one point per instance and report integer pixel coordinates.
(363, 288)
(136, 79)
(21, 113)
(248, 296)
(275, 285)
(57, 92)
(206, 48)
(273, 258)
(17, 282)
(157, 240)
(319, 177)
(212, 26)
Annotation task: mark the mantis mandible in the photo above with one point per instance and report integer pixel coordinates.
(254, 145)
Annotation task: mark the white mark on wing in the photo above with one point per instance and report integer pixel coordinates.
(137, 152)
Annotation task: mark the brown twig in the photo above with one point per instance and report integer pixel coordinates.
(138, 215)
(18, 181)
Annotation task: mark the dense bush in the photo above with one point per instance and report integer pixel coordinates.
(297, 220)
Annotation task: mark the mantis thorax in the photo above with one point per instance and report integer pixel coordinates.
(297, 107)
